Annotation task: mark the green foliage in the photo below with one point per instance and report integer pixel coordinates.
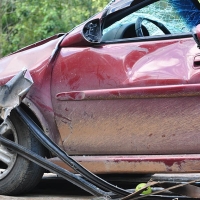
(23, 22)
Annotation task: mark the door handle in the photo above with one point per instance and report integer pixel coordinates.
(197, 61)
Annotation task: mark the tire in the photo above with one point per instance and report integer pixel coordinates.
(19, 175)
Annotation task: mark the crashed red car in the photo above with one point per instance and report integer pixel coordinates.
(119, 93)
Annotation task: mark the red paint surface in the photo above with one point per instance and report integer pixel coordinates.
(135, 96)
(139, 64)
(75, 38)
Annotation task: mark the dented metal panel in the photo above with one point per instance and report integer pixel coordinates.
(31, 59)
(132, 101)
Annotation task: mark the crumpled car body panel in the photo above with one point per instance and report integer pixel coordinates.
(139, 105)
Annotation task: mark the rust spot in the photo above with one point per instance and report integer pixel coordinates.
(163, 135)
(150, 135)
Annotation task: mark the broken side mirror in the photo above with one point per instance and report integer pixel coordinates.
(92, 31)
(196, 34)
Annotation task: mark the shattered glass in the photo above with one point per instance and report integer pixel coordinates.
(179, 16)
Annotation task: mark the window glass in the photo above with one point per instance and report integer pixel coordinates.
(178, 16)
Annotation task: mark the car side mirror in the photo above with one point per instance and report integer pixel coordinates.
(92, 31)
(196, 34)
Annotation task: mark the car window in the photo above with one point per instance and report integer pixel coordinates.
(175, 15)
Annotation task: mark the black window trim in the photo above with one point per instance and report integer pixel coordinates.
(149, 38)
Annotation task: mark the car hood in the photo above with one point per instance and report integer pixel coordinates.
(30, 57)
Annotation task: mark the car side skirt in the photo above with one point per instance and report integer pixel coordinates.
(137, 163)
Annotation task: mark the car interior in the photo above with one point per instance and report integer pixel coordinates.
(123, 31)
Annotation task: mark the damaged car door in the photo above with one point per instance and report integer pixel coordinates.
(136, 91)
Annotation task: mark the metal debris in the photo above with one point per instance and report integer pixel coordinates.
(14, 91)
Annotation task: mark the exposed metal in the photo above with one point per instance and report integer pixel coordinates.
(14, 91)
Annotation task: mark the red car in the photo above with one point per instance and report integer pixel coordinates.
(119, 93)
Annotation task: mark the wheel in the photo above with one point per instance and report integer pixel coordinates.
(18, 175)
(138, 26)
